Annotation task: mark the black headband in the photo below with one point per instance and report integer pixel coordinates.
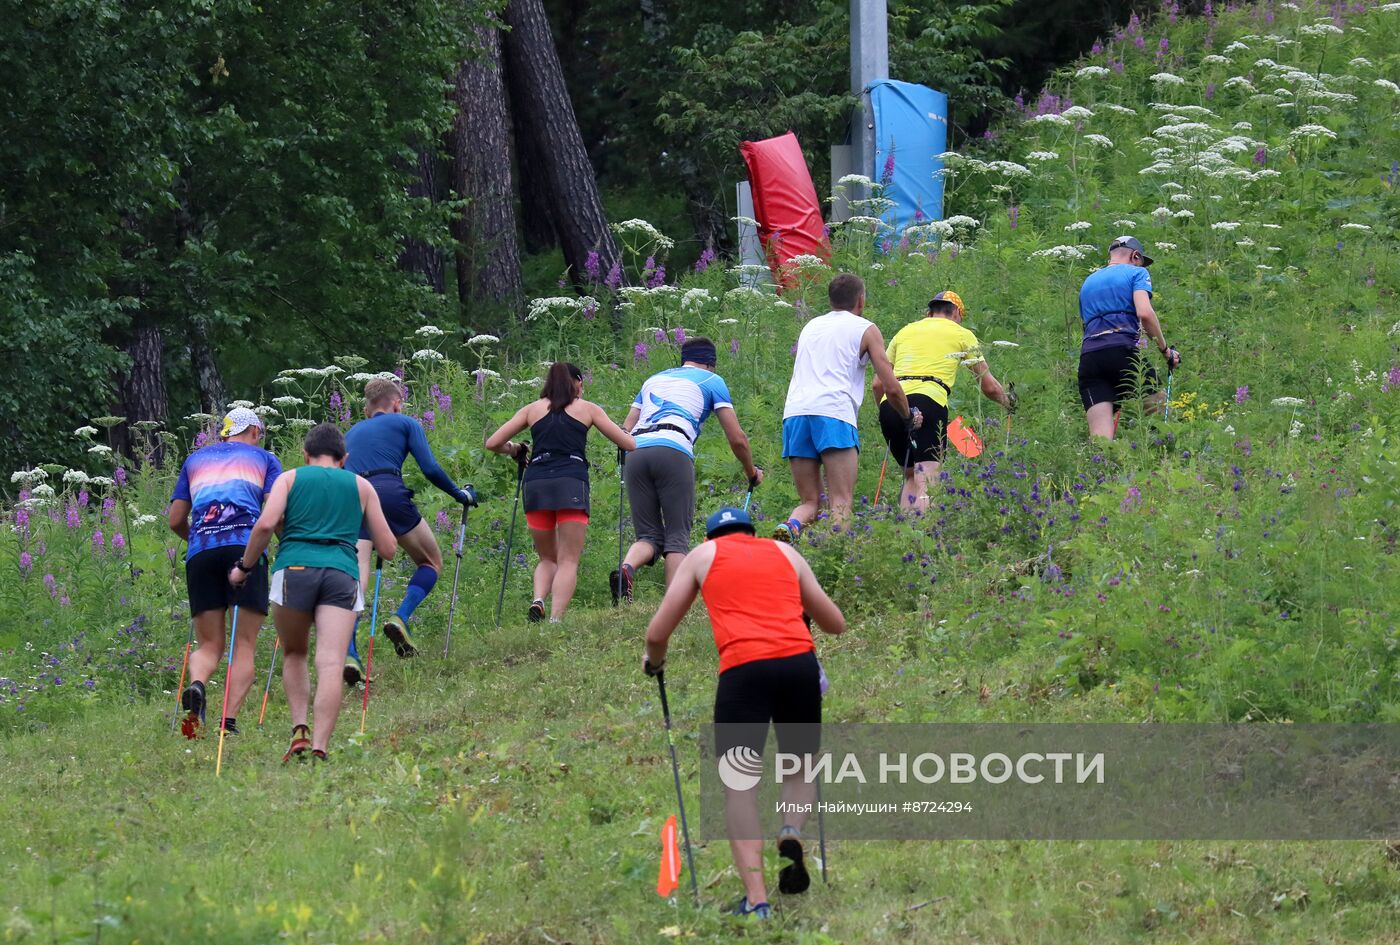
(701, 352)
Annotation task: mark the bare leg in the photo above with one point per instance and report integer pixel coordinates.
(841, 467)
(1100, 417)
(209, 651)
(673, 563)
(333, 626)
(640, 554)
(568, 540)
(421, 545)
(807, 477)
(1153, 403)
(363, 549)
(294, 630)
(917, 483)
(244, 652)
(544, 571)
(741, 817)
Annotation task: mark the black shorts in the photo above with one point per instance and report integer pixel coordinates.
(930, 440)
(1110, 376)
(556, 493)
(396, 499)
(206, 579)
(298, 588)
(785, 691)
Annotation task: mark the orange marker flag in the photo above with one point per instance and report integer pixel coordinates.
(963, 439)
(669, 876)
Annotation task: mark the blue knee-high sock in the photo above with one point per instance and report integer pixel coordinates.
(418, 587)
(355, 629)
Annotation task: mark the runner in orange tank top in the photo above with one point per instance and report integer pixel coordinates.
(758, 592)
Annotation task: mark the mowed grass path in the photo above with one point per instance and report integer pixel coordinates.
(515, 792)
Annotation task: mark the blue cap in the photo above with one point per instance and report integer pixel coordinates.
(726, 520)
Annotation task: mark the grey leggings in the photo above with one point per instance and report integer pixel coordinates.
(661, 491)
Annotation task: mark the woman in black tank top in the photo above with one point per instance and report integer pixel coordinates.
(556, 479)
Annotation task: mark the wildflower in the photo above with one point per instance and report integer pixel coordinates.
(658, 274)
(1068, 253)
(144, 520)
(1225, 225)
(26, 563)
(118, 542)
(803, 261)
(707, 258)
(98, 542)
(1077, 113)
(482, 374)
(1042, 156)
(287, 401)
(429, 331)
(71, 518)
(639, 352)
(85, 432)
(679, 336)
(1119, 109)
(1346, 226)
(1091, 72)
(964, 221)
(1102, 141)
(483, 340)
(75, 477)
(100, 450)
(1167, 78)
(1164, 246)
(1050, 119)
(1124, 225)
(1287, 402)
(860, 180)
(1184, 215)
(614, 277)
(1386, 84)
(592, 266)
(1013, 214)
(734, 346)
(645, 230)
(1131, 498)
(1311, 132)
(1009, 168)
(1078, 226)
(1241, 393)
(51, 583)
(1005, 344)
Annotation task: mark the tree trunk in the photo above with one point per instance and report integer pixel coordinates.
(545, 115)
(206, 371)
(142, 389)
(488, 255)
(536, 202)
(418, 256)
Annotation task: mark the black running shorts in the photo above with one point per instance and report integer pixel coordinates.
(785, 691)
(206, 579)
(556, 493)
(930, 440)
(1110, 375)
(298, 588)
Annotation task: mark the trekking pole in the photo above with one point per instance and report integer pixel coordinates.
(179, 690)
(753, 484)
(621, 488)
(510, 543)
(821, 830)
(676, 772)
(456, 573)
(1167, 407)
(276, 648)
(879, 485)
(373, 620)
(228, 684)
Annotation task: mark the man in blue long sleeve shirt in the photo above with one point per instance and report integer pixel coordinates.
(378, 446)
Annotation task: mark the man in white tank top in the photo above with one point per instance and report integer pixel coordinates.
(823, 403)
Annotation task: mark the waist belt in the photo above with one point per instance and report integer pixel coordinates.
(659, 427)
(538, 457)
(325, 541)
(383, 472)
(917, 377)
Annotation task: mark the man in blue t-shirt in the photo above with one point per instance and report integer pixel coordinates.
(666, 418)
(378, 446)
(1115, 304)
(223, 485)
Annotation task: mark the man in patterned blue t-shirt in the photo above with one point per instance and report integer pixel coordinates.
(665, 418)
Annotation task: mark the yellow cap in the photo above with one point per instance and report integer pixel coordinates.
(950, 296)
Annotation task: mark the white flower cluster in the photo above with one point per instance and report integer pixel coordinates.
(1356, 226)
(75, 477)
(430, 331)
(1063, 253)
(1091, 72)
(802, 261)
(1042, 156)
(1166, 78)
(1288, 402)
(1078, 226)
(1101, 141)
(1311, 132)
(483, 340)
(428, 354)
(1118, 109)
(1225, 225)
(961, 220)
(1077, 113)
(695, 299)
(1387, 85)
(86, 432)
(287, 401)
(560, 306)
(860, 180)
(643, 229)
(1049, 118)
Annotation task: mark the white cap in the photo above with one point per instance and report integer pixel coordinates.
(239, 419)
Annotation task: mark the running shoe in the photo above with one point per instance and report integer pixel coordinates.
(622, 590)
(536, 611)
(787, 531)
(192, 701)
(793, 878)
(354, 670)
(397, 632)
(759, 910)
(230, 726)
(301, 743)
(319, 755)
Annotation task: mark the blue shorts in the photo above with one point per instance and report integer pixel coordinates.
(810, 437)
(396, 499)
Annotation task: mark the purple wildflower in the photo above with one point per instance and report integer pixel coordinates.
(22, 519)
(1210, 91)
(1261, 156)
(660, 337)
(201, 438)
(1131, 498)
(118, 542)
(119, 475)
(592, 268)
(679, 335)
(71, 515)
(98, 542)
(26, 563)
(589, 311)
(1392, 379)
(51, 583)
(1241, 393)
(109, 505)
(793, 352)
(442, 523)
(734, 346)
(1013, 213)
(887, 174)
(83, 498)
(429, 419)
(658, 277)
(707, 258)
(1096, 49)
(639, 352)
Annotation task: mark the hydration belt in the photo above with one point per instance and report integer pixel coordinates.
(659, 427)
(542, 456)
(382, 472)
(914, 377)
(326, 541)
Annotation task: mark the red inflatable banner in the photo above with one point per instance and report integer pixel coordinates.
(785, 204)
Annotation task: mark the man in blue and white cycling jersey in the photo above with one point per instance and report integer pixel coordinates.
(666, 418)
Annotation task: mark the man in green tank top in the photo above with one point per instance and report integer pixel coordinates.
(316, 576)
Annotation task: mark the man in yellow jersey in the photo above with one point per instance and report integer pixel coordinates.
(926, 355)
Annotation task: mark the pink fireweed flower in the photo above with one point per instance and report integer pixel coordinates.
(1241, 393)
(118, 542)
(98, 541)
(71, 515)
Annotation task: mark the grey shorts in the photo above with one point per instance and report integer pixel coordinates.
(661, 491)
(298, 588)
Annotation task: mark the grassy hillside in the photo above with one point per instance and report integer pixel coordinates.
(1234, 563)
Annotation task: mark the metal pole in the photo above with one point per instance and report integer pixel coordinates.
(456, 573)
(870, 62)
